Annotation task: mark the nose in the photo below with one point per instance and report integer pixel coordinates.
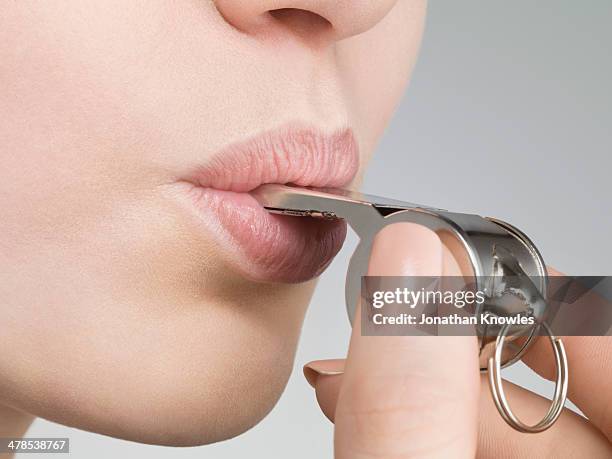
(316, 21)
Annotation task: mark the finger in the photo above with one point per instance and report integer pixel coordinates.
(407, 396)
(590, 365)
(571, 436)
(325, 376)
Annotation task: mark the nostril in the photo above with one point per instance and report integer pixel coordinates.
(303, 23)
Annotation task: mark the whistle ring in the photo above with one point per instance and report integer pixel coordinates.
(561, 386)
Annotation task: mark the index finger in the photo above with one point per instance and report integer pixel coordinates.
(408, 396)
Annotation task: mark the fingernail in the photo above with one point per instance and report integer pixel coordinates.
(406, 249)
(313, 370)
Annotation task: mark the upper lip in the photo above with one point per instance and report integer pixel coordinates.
(297, 155)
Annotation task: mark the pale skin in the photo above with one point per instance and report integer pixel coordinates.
(120, 315)
(415, 396)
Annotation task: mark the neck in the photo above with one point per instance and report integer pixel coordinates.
(13, 423)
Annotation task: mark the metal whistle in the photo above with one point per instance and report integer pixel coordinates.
(485, 247)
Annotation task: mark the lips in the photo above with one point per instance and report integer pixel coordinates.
(264, 246)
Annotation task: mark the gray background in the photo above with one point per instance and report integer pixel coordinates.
(508, 114)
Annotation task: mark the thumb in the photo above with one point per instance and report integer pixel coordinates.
(395, 253)
(403, 396)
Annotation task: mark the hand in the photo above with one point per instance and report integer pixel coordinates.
(423, 396)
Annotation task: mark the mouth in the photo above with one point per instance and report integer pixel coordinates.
(264, 246)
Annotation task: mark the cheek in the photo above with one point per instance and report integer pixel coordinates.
(123, 319)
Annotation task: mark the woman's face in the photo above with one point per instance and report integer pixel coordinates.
(144, 293)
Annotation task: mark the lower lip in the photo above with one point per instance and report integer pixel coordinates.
(265, 246)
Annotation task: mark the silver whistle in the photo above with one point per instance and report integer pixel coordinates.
(484, 247)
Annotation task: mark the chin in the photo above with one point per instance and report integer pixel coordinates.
(171, 346)
(184, 401)
(215, 411)
(186, 375)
